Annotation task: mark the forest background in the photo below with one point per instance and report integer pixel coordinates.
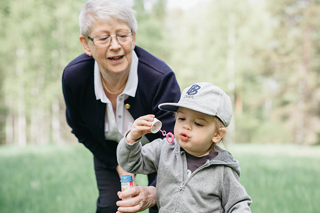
(264, 54)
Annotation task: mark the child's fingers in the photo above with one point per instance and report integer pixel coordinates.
(140, 127)
(142, 124)
(145, 120)
(148, 118)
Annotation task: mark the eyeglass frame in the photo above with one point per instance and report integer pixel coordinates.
(92, 39)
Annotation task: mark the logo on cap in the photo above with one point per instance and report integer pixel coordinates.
(193, 89)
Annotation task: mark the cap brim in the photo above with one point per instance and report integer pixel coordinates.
(172, 107)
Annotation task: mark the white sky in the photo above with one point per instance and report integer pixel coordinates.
(177, 4)
(184, 4)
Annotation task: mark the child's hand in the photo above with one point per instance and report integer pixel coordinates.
(140, 127)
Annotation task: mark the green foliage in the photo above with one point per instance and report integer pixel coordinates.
(201, 43)
(4, 11)
(151, 34)
(262, 53)
(251, 128)
(51, 179)
(290, 60)
(39, 39)
(263, 56)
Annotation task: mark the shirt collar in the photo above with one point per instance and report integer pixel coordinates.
(132, 82)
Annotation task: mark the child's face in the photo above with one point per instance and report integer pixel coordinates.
(194, 131)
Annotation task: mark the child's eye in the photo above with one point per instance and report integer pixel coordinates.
(181, 119)
(197, 124)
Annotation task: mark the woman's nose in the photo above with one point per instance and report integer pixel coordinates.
(114, 44)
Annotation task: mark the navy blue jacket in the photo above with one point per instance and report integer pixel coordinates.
(86, 115)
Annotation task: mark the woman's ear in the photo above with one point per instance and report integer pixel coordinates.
(134, 40)
(85, 45)
(219, 134)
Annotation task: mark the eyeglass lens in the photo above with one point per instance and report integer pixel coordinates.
(105, 40)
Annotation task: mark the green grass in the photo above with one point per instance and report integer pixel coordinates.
(53, 179)
(46, 179)
(280, 178)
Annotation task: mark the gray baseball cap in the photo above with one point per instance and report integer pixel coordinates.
(205, 98)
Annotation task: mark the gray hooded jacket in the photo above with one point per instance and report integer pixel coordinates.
(213, 187)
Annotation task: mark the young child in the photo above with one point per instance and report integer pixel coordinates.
(194, 174)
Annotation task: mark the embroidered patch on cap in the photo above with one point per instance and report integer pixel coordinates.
(193, 89)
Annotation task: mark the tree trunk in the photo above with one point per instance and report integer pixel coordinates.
(231, 66)
(303, 89)
(55, 123)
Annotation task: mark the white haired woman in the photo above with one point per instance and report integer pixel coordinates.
(107, 88)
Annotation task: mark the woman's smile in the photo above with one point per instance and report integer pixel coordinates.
(116, 59)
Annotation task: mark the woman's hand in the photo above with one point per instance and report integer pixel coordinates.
(140, 127)
(143, 197)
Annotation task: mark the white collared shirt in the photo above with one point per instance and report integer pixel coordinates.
(116, 126)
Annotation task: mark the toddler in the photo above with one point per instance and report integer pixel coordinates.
(194, 174)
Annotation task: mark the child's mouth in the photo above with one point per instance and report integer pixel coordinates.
(184, 136)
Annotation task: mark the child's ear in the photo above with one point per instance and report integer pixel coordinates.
(217, 137)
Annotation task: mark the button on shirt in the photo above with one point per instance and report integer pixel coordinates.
(116, 126)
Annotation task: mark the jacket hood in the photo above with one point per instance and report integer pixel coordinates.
(225, 158)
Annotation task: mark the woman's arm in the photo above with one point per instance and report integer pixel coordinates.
(72, 95)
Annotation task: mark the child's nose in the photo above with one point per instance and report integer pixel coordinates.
(187, 126)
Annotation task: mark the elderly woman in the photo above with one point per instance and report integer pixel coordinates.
(107, 88)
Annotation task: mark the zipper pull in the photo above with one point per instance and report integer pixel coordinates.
(181, 186)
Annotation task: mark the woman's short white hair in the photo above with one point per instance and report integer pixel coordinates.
(106, 10)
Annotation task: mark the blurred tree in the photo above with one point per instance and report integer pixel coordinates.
(265, 58)
(39, 40)
(151, 16)
(290, 68)
(4, 11)
(210, 43)
(214, 43)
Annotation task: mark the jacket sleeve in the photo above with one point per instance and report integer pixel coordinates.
(137, 159)
(79, 129)
(234, 196)
(148, 97)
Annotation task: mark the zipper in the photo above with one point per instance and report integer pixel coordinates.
(196, 171)
(181, 186)
(177, 203)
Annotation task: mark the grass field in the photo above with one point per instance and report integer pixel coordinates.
(53, 179)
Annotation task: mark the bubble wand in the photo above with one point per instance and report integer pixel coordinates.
(158, 124)
(168, 135)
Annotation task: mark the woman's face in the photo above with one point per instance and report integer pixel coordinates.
(115, 58)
